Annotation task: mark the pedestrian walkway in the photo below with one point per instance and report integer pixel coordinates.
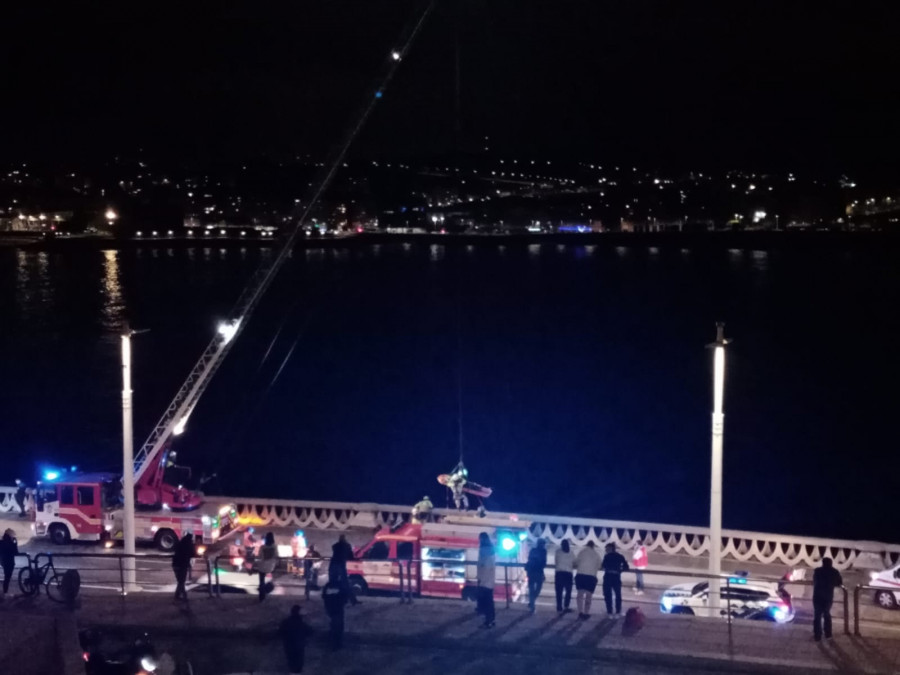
(426, 631)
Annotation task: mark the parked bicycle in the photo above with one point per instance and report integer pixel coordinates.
(34, 576)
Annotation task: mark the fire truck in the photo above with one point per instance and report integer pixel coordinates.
(442, 558)
(87, 507)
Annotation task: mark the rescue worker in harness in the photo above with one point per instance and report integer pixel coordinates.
(421, 512)
(457, 483)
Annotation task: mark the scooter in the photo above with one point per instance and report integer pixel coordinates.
(137, 659)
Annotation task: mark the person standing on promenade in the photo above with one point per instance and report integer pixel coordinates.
(534, 568)
(587, 563)
(181, 564)
(9, 549)
(614, 564)
(268, 559)
(825, 580)
(294, 631)
(639, 561)
(341, 552)
(562, 579)
(487, 573)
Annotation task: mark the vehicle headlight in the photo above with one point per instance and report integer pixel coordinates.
(148, 664)
(873, 576)
(666, 603)
(205, 520)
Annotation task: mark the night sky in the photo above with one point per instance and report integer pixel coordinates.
(725, 84)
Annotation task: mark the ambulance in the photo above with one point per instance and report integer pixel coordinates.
(87, 507)
(442, 558)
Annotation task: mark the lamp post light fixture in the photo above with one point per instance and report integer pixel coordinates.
(715, 490)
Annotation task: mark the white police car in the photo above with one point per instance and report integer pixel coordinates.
(747, 598)
(889, 580)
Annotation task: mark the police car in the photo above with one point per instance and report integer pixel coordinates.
(747, 598)
(889, 580)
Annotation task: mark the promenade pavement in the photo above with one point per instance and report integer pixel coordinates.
(238, 634)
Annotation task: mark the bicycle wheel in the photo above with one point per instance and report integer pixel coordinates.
(54, 588)
(28, 583)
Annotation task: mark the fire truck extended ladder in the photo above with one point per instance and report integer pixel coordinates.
(175, 417)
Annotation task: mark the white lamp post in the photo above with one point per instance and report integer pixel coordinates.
(127, 462)
(715, 490)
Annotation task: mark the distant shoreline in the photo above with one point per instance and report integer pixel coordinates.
(668, 240)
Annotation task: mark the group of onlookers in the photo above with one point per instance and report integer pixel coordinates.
(579, 570)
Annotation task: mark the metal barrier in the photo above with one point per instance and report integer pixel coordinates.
(845, 601)
(856, 593)
(407, 578)
(115, 574)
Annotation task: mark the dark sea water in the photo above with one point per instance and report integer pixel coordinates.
(585, 385)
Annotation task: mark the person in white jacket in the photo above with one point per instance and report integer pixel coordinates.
(487, 572)
(564, 562)
(587, 563)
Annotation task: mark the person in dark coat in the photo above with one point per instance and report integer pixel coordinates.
(534, 568)
(341, 552)
(335, 597)
(181, 564)
(825, 580)
(613, 565)
(9, 549)
(294, 631)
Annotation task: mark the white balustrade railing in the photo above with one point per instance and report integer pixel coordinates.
(8, 500)
(738, 545)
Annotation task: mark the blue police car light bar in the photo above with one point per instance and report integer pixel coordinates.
(734, 580)
(50, 474)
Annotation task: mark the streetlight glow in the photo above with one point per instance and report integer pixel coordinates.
(111, 215)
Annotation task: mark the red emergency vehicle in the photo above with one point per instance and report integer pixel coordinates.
(87, 507)
(448, 551)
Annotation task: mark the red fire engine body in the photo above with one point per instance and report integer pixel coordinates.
(87, 507)
(448, 552)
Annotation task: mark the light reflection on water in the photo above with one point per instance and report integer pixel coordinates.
(761, 260)
(34, 287)
(178, 294)
(113, 307)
